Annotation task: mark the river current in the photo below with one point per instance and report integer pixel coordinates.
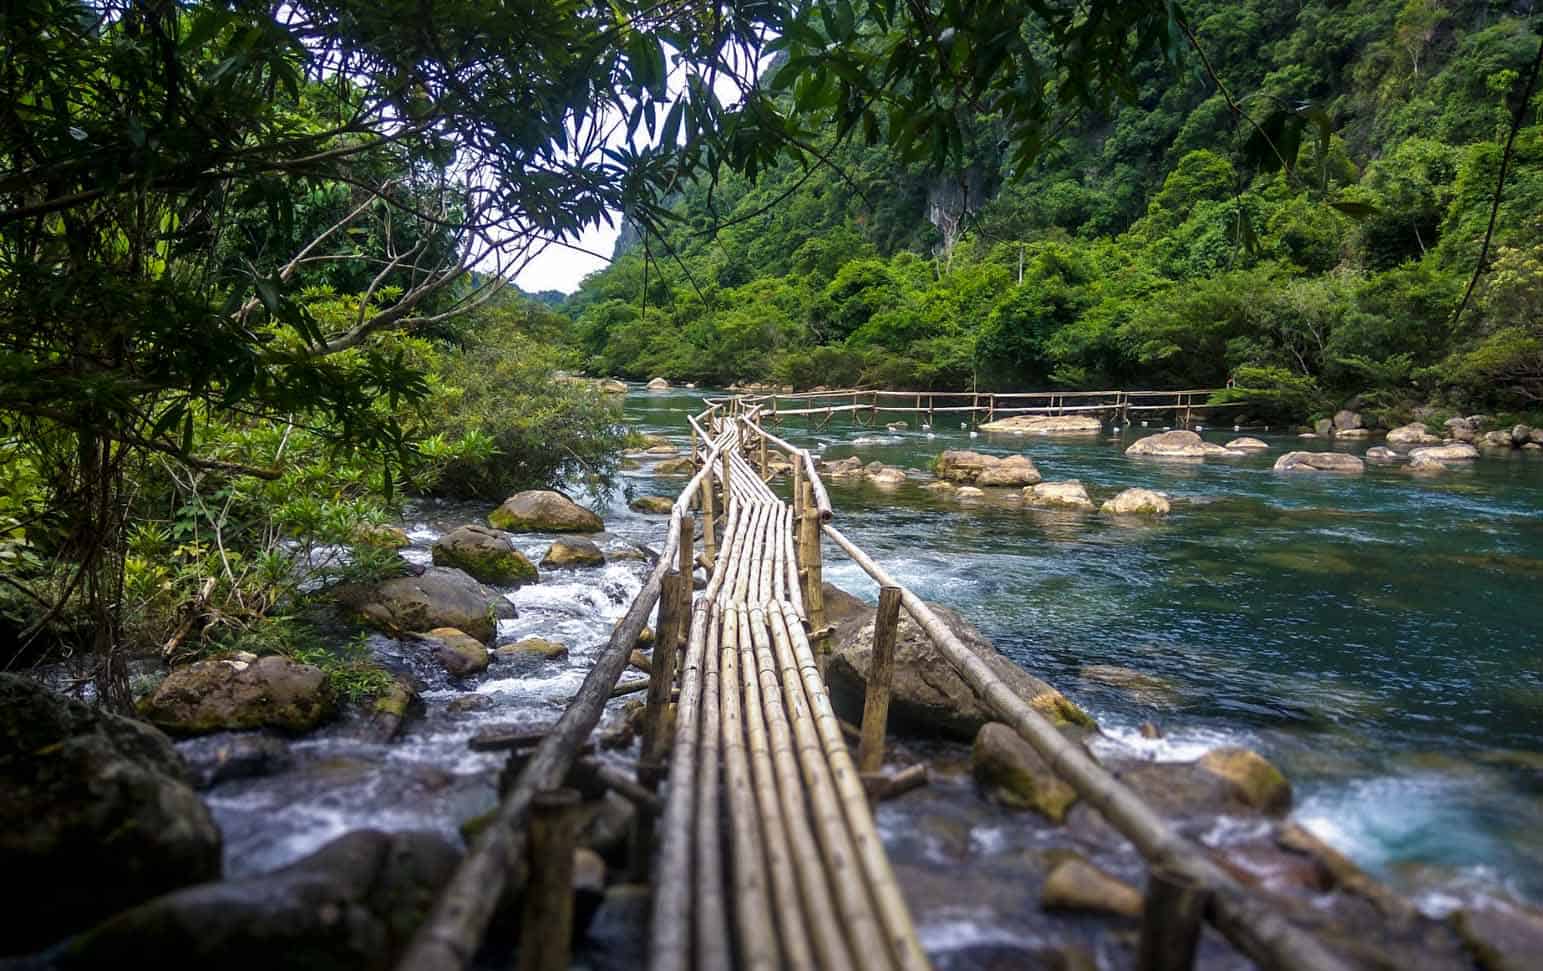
(1379, 637)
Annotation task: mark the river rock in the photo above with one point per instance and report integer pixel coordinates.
(212, 759)
(573, 552)
(1320, 462)
(928, 696)
(1076, 884)
(1347, 420)
(941, 487)
(680, 466)
(1046, 425)
(1354, 433)
(96, 814)
(1177, 444)
(896, 426)
(227, 695)
(439, 597)
(1454, 452)
(486, 554)
(382, 537)
(1414, 433)
(531, 648)
(964, 493)
(1381, 453)
(886, 476)
(1521, 435)
(1503, 936)
(1323, 427)
(1424, 465)
(658, 384)
(1460, 429)
(1137, 502)
(652, 505)
(354, 903)
(545, 511)
(662, 450)
(1015, 774)
(841, 468)
(961, 465)
(1015, 470)
(391, 708)
(460, 654)
(1247, 444)
(1254, 780)
(612, 386)
(1059, 495)
(1494, 440)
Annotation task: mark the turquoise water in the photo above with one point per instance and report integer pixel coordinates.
(1377, 636)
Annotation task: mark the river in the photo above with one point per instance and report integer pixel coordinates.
(1377, 636)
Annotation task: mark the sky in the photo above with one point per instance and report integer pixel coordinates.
(561, 268)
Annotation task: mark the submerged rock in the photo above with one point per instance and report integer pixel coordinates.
(236, 695)
(96, 814)
(544, 511)
(1059, 495)
(354, 903)
(1337, 462)
(1147, 689)
(969, 492)
(573, 552)
(485, 554)
(460, 654)
(1013, 772)
(928, 695)
(1381, 453)
(652, 505)
(440, 597)
(1137, 502)
(213, 759)
(1247, 444)
(1045, 425)
(1177, 444)
(886, 476)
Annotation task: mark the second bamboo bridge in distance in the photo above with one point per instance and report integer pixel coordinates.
(763, 849)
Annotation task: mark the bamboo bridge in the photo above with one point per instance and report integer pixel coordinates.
(1185, 405)
(761, 848)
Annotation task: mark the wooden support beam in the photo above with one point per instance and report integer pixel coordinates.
(1170, 922)
(881, 673)
(546, 922)
(812, 577)
(662, 679)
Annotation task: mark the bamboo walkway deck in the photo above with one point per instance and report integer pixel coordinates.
(765, 853)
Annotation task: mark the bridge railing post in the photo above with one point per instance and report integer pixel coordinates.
(661, 676)
(881, 674)
(812, 576)
(546, 920)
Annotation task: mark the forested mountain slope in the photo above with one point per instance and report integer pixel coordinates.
(1162, 245)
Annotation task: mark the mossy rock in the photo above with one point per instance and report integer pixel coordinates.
(544, 511)
(1254, 780)
(238, 695)
(382, 537)
(652, 505)
(1016, 775)
(573, 552)
(486, 555)
(460, 654)
(532, 648)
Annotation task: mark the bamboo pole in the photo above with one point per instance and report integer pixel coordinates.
(709, 545)
(1260, 933)
(661, 679)
(754, 925)
(546, 922)
(812, 576)
(881, 672)
(712, 922)
(894, 916)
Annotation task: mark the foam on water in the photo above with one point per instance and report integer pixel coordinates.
(1183, 744)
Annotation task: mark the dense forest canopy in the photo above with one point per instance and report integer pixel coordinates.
(1313, 244)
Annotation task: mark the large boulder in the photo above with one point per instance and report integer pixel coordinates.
(1224, 780)
(1015, 774)
(1015, 470)
(439, 597)
(1320, 462)
(486, 554)
(353, 904)
(1059, 495)
(1414, 433)
(96, 814)
(928, 696)
(1454, 452)
(887, 476)
(963, 465)
(573, 552)
(544, 511)
(1460, 429)
(1137, 502)
(1494, 440)
(1045, 425)
(236, 694)
(1177, 444)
